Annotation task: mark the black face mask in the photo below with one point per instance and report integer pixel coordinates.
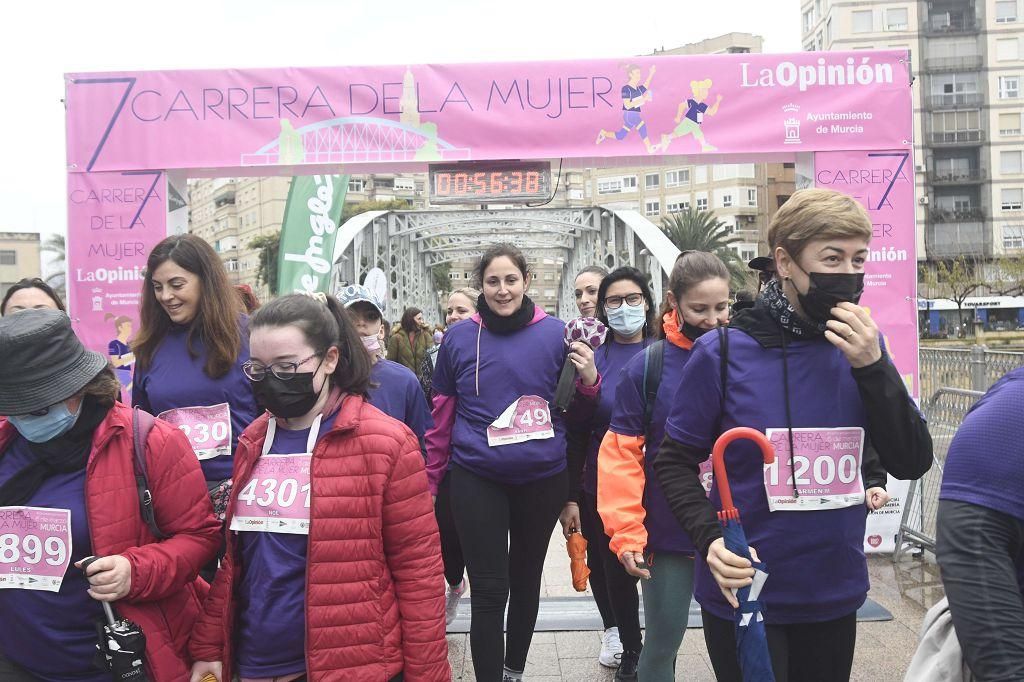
(692, 331)
(288, 399)
(827, 290)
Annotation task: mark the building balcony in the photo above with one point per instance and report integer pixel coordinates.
(956, 215)
(968, 100)
(952, 239)
(967, 63)
(949, 26)
(970, 176)
(956, 137)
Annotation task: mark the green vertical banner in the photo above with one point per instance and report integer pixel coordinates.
(310, 227)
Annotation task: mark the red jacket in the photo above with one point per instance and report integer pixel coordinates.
(166, 596)
(374, 586)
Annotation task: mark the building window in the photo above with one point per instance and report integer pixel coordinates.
(678, 206)
(1009, 124)
(405, 184)
(453, 276)
(652, 208)
(8, 257)
(615, 185)
(808, 20)
(727, 200)
(1006, 11)
(702, 175)
(549, 276)
(896, 19)
(1013, 237)
(828, 32)
(652, 180)
(780, 199)
(862, 21)
(677, 178)
(751, 197)
(702, 203)
(1010, 162)
(1009, 87)
(356, 185)
(1007, 49)
(747, 252)
(1012, 199)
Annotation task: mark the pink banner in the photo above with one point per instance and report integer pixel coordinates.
(587, 109)
(114, 221)
(883, 181)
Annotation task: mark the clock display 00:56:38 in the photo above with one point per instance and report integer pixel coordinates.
(496, 183)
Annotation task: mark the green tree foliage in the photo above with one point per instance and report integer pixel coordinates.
(954, 280)
(269, 246)
(351, 209)
(694, 230)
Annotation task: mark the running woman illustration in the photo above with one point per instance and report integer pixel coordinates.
(634, 96)
(690, 116)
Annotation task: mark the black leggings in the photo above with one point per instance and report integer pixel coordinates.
(614, 589)
(803, 652)
(451, 550)
(504, 530)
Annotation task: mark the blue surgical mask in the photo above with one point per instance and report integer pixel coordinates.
(627, 319)
(57, 421)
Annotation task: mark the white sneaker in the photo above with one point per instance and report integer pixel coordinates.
(451, 601)
(611, 649)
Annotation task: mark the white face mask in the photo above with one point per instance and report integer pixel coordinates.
(627, 319)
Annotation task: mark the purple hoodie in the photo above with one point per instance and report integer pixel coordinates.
(477, 375)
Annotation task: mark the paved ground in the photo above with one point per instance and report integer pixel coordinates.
(883, 651)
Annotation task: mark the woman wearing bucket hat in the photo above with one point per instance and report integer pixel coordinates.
(189, 352)
(827, 392)
(28, 294)
(68, 490)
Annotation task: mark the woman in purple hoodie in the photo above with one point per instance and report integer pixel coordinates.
(493, 382)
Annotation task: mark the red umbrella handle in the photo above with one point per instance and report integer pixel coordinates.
(718, 462)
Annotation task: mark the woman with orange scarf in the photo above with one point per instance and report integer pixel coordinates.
(632, 506)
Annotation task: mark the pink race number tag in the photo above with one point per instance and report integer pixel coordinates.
(208, 428)
(528, 418)
(276, 498)
(826, 469)
(35, 548)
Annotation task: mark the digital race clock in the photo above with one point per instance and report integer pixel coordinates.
(485, 182)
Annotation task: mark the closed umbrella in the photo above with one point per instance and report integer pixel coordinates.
(577, 548)
(121, 645)
(751, 640)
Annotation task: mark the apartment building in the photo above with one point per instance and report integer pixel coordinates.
(19, 258)
(967, 59)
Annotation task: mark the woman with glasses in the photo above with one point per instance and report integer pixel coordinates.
(494, 381)
(333, 566)
(189, 351)
(625, 305)
(68, 491)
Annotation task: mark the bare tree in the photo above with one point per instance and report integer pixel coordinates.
(954, 280)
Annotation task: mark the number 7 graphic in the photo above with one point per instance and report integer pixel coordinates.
(903, 156)
(130, 81)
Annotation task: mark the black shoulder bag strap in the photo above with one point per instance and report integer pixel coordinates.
(723, 351)
(654, 363)
(142, 424)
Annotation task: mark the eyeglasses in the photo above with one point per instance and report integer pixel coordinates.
(614, 302)
(257, 371)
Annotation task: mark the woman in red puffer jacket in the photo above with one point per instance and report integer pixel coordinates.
(333, 566)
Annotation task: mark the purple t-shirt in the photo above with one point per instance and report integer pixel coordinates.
(272, 591)
(53, 634)
(399, 395)
(815, 559)
(610, 358)
(985, 463)
(525, 362)
(176, 379)
(664, 534)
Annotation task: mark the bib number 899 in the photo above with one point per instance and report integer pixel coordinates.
(31, 549)
(825, 470)
(281, 493)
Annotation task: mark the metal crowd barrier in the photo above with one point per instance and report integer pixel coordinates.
(945, 411)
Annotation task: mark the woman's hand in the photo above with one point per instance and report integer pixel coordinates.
(582, 357)
(729, 570)
(110, 578)
(876, 498)
(629, 561)
(570, 519)
(201, 669)
(855, 333)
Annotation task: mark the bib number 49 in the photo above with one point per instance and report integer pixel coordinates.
(536, 417)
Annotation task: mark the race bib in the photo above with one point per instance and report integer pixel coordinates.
(276, 498)
(826, 468)
(528, 418)
(35, 548)
(208, 428)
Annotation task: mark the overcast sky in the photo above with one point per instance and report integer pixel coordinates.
(43, 40)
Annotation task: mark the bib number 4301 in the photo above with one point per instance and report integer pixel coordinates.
(271, 492)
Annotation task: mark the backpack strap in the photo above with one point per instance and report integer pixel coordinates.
(142, 424)
(723, 348)
(654, 363)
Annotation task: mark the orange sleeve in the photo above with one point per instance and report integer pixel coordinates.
(620, 491)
